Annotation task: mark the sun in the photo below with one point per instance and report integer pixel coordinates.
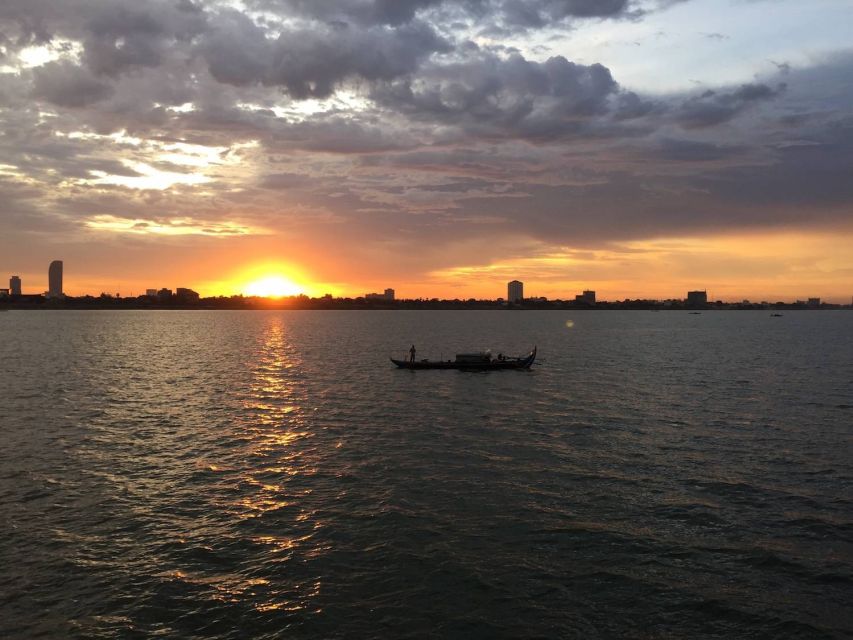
(273, 287)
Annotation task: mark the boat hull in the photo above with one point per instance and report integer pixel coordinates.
(493, 365)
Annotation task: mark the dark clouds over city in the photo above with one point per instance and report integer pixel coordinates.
(420, 141)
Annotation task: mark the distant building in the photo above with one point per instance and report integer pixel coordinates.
(4, 293)
(587, 297)
(388, 296)
(186, 296)
(151, 293)
(515, 292)
(54, 277)
(164, 295)
(15, 285)
(813, 302)
(697, 298)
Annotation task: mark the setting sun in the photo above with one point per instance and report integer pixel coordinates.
(273, 287)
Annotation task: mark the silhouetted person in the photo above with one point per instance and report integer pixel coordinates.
(412, 354)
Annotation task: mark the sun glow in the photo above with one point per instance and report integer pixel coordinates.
(273, 287)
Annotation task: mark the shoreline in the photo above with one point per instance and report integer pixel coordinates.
(412, 306)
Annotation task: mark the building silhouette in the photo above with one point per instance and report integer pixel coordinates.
(15, 285)
(697, 298)
(587, 297)
(186, 296)
(515, 292)
(388, 296)
(54, 278)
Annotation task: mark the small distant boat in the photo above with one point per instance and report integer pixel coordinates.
(472, 362)
(775, 315)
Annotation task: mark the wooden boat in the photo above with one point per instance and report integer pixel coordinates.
(471, 362)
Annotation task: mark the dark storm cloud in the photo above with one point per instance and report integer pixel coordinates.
(116, 35)
(541, 13)
(814, 172)
(310, 62)
(511, 13)
(438, 127)
(714, 107)
(66, 84)
(369, 12)
(496, 96)
(122, 36)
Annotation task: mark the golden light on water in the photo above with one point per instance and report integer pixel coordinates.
(570, 324)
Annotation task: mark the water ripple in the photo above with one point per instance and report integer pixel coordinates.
(270, 475)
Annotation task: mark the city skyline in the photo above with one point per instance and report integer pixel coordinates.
(636, 148)
(514, 294)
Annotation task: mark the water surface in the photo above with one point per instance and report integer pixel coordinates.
(271, 475)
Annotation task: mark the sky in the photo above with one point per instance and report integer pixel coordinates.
(639, 148)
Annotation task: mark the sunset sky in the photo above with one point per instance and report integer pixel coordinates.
(640, 148)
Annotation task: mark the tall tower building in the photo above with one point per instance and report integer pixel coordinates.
(15, 285)
(515, 292)
(54, 277)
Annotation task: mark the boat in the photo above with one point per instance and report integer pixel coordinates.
(482, 361)
(775, 315)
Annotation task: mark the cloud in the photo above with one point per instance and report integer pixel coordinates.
(167, 227)
(540, 13)
(384, 119)
(66, 84)
(511, 13)
(493, 96)
(362, 12)
(121, 36)
(684, 150)
(711, 108)
(311, 62)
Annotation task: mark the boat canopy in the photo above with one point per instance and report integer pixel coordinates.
(482, 356)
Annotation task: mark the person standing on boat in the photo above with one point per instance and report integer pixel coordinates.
(412, 354)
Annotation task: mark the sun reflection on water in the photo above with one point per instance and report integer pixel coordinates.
(273, 495)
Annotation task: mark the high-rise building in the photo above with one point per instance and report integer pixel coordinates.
(697, 298)
(515, 292)
(54, 277)
(389, 295)
(15, 285)
(587, 297)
